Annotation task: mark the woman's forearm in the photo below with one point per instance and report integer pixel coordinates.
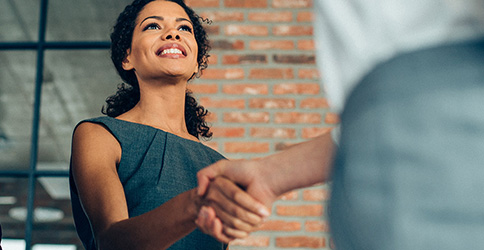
(157, 229)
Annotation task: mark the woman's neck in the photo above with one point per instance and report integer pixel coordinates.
(162, 107)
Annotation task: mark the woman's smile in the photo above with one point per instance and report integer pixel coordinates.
(171, 50)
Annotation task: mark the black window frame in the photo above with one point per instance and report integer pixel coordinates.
(40, 46)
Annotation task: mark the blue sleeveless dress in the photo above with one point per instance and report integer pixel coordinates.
(155, 167)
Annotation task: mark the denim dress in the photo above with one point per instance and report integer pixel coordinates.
(155, 167)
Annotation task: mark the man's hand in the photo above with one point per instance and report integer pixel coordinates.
(246, 174)
(239, 212)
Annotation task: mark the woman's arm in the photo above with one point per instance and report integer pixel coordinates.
(94, 158)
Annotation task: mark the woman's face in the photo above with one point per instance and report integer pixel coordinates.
(163, 43)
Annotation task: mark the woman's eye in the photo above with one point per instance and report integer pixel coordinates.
(152, 26)
(185, 28)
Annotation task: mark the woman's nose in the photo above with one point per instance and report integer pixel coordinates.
(171, 35)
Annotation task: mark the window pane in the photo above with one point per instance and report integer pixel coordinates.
(17, 80)
(53, 222)
(13, 195)
(19, 20)
(76, 83)
(70, 20)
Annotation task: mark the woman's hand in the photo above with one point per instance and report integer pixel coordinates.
(228, 212)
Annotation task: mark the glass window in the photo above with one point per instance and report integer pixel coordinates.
(17, 78)
(66, 23)
(37, 123)
(13, 196)
(53, 221)
(76, 84)
(19, 20)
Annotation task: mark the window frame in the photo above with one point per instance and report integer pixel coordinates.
(40, 46)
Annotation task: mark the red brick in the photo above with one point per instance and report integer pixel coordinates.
(223, 16)
(314, 132)
(202, 3)
(291, 195)
(284, 145)
(246, 147)
(253, 117)
(227, 132)
(212, 29)
(300, 241)
(331, 118)
(266, 45)
(227, 45)
(305, 16)
(201, 88)
(292, 30)
(296, 117)
(211, 117)
(308, 74)
(247, 88)
(316, 194)
(306, 45)
(316, 226)
(300, 210)
(273, 132)
(212, 59)
(246, 3)
(280, 225)
(252, 241)
(285, 16)
(317, 102)
(244, 59)
(246, 30)
(271, 73)
(225, 74)
(294, 59)
(292, 3)
(296, 88)
(222, 103)
(272, 103)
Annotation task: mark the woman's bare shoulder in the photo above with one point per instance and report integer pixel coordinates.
(94, 140)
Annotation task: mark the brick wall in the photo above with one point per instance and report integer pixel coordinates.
(262, 89)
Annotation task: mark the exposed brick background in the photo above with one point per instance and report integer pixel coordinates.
(262, 89)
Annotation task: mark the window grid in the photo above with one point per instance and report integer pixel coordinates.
(40, 46)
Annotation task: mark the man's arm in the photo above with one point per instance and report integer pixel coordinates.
(301, 165)
(265, 179)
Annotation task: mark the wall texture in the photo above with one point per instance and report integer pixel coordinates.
(262, 89)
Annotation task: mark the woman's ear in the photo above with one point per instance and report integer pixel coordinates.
(126, 62)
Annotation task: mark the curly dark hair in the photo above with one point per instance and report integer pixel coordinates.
(128, 93)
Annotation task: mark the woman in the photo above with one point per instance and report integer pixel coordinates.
(133, 172)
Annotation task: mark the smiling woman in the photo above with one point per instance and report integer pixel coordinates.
(133, 172)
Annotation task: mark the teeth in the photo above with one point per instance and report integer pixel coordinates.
(171, 51)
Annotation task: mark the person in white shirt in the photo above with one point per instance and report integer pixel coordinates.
(407, 78)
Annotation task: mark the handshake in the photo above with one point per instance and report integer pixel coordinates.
(228, 212)
(236, 199)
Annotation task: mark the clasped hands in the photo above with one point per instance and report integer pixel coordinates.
(236, 199)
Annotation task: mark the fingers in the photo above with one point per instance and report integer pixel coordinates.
(238, 211)
(237, 202)
(209, 224)
(234, 222)
(207, 174)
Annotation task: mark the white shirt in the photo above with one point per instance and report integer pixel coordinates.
(353, 36)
